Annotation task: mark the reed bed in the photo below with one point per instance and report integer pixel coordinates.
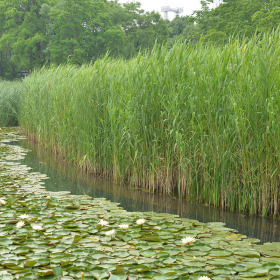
(199, 122)
(10, 94)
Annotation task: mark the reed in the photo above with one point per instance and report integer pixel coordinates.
(10, 94)
(200, 122)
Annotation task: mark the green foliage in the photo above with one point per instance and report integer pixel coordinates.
(23, 33)
(81, 31)
(185, 29)
(201, 122)
(244, 17)
(142, 29)
(40, 32)
(231, 18)
(216, 37)
(34, 33)
(56, 235)
(267, 19)
(10, 95)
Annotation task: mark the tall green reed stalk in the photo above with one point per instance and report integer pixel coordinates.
(10, 94)
(200, 122)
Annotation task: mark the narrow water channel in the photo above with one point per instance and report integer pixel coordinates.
(63, 177)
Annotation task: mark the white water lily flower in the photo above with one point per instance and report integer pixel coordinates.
(103, 223)
(24, 216)
(110, 233)
(2, 201)
(37, 227)
(157, 228)
(20, 224)
(188, 240)
(124, 226)
(204, 278)
(140, 222)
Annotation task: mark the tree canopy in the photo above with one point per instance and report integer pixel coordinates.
(34, 33)
(231, 18)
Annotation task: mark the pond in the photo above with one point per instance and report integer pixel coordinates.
(64, 177)
(52, 234)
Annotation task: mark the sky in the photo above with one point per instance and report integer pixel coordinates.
(150, 5)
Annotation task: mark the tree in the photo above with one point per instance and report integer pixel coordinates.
(177, 26)
(38, 32)
(23, 34)
(184, 29)
(7, 68)
(142, 28)
(75, 28)
(240, 17)
(82, 30)
(268, 17)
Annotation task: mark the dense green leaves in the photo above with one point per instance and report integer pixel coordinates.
(196, 121)
(23, 32)
(34, 33)
(44, 238)
(231, 18)
(80, 31)
(10, 95)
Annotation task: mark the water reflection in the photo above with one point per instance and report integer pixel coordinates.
(65, 177)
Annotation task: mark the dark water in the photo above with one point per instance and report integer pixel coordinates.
(63, 177)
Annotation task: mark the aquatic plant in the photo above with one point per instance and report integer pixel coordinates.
(70, 241)
(194, 121)
(103, 223)
(2, 201)
(24, 216)
(140, 222)
(20, 224)
(124, 226)
(188, 240)
(37, 227)
(110, 232)
(10, 95)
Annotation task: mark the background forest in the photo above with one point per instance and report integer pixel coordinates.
(34, 33)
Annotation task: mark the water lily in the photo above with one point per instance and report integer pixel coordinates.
(20, 224)
(4, 272)
(24, 216)
(124, 226)
(103, 223)
(37, 227)
(140, 222)
(188, 240)
(110, 232)
(2, 201)
(157, 228)
(204, 278)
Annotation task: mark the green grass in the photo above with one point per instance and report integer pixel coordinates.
(10, 94)
(200, 122)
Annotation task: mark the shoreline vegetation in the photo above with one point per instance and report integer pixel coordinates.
(200, 122)
(10, 94)
(56, 235)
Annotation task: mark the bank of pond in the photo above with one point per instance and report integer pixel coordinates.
(56, 235)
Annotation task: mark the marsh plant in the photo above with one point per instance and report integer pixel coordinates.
(200, 122)
(45, 235)
(10, 94)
